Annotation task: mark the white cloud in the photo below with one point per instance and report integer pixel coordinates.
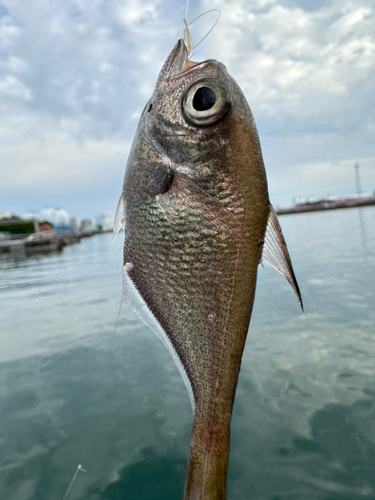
(57, 162)
(289, 61)
(13, 64)
(9, 32)
(136, 11)
(75, 75)
(11, 86)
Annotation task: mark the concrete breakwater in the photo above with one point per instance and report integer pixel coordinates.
(328, 204)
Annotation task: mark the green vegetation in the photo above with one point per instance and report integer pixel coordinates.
(26, 227)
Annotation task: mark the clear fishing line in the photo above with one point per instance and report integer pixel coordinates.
(198, 17)
(213, 26)
(79, 467)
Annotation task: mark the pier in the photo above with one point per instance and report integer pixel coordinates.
(327, 204)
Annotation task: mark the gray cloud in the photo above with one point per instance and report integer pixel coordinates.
(74, 77)
(73, 80)
(307, 72)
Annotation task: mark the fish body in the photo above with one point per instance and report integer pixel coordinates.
(196, 212)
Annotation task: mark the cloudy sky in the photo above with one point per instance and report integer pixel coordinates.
(75, 75)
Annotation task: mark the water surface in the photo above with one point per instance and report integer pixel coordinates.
(74, 392)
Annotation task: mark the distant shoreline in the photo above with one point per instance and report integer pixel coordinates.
(319, 205)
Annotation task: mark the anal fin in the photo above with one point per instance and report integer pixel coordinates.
(133, 299)
(275, 253)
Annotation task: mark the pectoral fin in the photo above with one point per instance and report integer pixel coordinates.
(119, 217)
(275, 253)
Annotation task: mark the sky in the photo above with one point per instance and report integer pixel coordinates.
(75, 76)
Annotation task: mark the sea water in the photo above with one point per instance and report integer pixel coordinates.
(74, 391)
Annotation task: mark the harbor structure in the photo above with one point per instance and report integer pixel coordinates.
(313, 203)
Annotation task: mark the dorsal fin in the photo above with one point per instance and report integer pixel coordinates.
(275, 252)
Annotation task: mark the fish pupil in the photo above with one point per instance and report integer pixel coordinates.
(204, 98)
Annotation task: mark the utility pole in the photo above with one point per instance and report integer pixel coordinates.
(358, 181)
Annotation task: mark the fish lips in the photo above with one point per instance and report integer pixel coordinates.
(178, 62)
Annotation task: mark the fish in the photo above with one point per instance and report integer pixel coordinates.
(198, 222)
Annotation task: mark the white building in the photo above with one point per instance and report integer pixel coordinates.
(104, 222)
(86, 226)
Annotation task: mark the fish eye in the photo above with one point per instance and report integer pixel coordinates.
(206, 102)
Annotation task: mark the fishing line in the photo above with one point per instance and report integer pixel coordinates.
(110, 339)
(79, 467)
(117, 320)
(201, 15)
(213, 26)
(187, 8)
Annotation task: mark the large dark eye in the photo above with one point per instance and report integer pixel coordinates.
(206, 102)
(204, 99)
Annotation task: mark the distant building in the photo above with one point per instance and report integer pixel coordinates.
(86, 226)
(104, 222)
(75, 225)
(58, 217)
(45, 227)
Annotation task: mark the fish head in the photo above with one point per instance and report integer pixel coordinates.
(195, 110)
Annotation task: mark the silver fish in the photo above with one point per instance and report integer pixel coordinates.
(198, 222)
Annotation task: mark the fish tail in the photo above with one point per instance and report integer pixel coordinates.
(209, 453)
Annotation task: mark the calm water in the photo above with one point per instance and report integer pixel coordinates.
(74, 392)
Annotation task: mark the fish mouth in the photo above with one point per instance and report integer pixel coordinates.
(191, 65)
(180, 64)
(178, 61)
